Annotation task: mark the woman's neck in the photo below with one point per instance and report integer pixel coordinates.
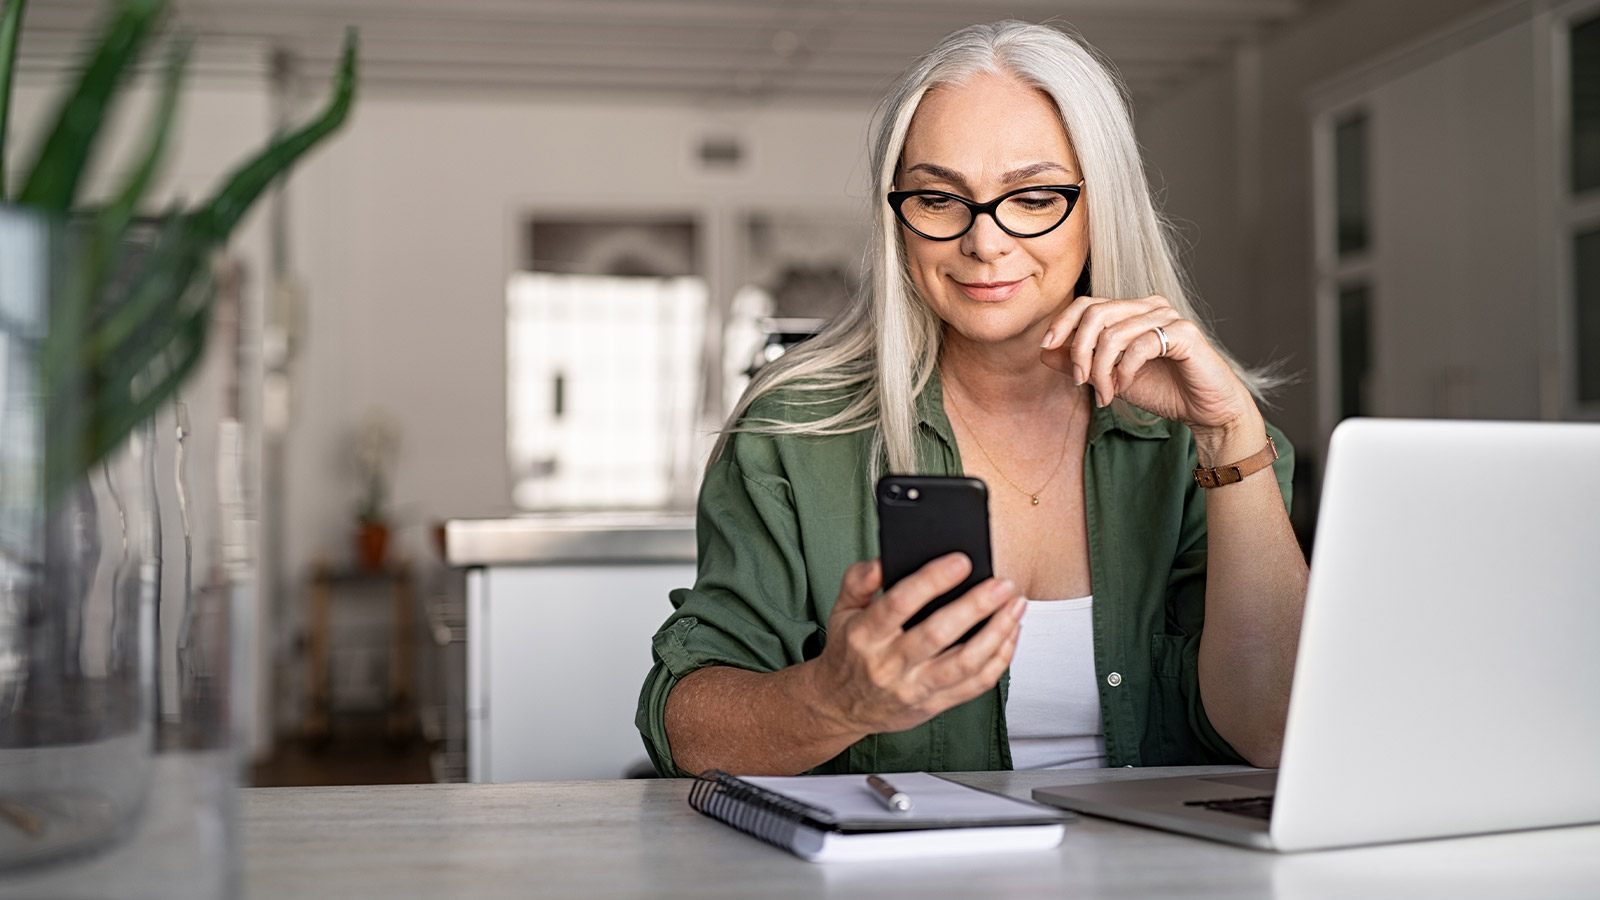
(1006, 378)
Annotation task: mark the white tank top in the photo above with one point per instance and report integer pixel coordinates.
(1053, 705)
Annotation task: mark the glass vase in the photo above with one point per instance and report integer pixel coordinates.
(118, 678)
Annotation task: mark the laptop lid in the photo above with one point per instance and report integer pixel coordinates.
(1448, 676)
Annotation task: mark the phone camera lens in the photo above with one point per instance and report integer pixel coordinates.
(894, 492)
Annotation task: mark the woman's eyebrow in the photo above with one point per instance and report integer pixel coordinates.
(1030, 171)
(941, 173)
(1015, 175)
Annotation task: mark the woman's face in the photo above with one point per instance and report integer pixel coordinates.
(979, 140)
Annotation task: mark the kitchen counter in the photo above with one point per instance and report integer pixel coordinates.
(580, 537)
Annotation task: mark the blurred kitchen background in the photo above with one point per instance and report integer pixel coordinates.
(521, 289)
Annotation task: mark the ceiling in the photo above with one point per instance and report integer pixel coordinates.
(701, 50)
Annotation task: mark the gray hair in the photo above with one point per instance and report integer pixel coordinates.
(880, 352)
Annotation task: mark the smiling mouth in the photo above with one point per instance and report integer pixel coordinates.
(989, 291)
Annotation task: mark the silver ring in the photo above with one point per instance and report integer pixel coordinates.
(1165, 344)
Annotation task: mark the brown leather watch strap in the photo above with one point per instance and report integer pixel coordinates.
(1218, 476)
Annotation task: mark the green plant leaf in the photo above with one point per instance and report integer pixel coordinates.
(249, 180)
(92, 396)
(154, 286)
(108, 249)
(10, 30)
(115, 218)
(135, 402)
(52, 183)
(94, 424)
(126, 342)
(128, 325)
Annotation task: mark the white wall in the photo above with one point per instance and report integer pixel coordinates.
(1457, 234)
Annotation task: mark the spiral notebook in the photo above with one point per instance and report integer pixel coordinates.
(827, 818)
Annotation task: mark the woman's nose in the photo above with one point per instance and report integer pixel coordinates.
(985, 240)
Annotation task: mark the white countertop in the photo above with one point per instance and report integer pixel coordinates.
(573, 537)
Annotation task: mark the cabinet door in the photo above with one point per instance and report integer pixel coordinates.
(557, 655)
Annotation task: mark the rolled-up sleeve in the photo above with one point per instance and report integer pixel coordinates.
(749, 607)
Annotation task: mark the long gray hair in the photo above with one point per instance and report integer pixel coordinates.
(880, 352)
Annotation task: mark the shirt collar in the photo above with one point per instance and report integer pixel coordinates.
(930, 409)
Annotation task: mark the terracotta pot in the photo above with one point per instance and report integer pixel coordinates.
(372, 543)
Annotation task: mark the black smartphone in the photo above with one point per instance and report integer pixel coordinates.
(924, 517)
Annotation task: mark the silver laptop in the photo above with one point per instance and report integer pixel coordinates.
(1448, 677)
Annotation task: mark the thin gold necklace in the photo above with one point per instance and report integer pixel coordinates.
(1032, 495)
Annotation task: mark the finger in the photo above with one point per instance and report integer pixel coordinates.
(1184, 337)
(1084, 345)
(1067, 321)
(1114, 341)
(962, 661)
(913, 592)
(981, 681)
(860, 584)
(1144, 347)
(974, 654)
(936, 633)
(1054, 351)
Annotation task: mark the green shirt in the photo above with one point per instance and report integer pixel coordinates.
(781, 517)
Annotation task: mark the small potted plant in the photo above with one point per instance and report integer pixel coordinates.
(377, 443)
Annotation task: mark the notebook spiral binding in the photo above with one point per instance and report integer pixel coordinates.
(753, 810)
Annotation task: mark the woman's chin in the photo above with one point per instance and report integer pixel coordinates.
(997, 331)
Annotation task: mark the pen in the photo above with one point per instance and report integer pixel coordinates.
(892, 798)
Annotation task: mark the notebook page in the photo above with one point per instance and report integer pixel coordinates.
(933, 799)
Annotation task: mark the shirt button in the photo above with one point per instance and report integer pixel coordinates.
(1114, 679)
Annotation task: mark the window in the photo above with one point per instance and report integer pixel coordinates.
(1583, 210)
(1584, 84)
(1353, 210)
(1345, 267)
(1586, 293)
(1355, 350)
(604, 340)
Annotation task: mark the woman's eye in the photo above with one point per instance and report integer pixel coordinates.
(1037, 202)
(933, 202)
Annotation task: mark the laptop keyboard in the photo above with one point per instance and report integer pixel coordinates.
(1254, 807)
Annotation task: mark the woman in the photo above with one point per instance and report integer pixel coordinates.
(1025, 324)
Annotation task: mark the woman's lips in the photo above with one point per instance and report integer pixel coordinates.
(989, 291)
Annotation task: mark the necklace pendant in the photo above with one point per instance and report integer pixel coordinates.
(1035, 499)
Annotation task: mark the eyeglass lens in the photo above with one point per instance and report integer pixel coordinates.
(1026, 214)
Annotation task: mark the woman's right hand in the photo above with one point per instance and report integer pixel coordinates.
(874, 676)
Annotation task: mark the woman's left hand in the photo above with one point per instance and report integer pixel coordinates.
(1113, 345)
